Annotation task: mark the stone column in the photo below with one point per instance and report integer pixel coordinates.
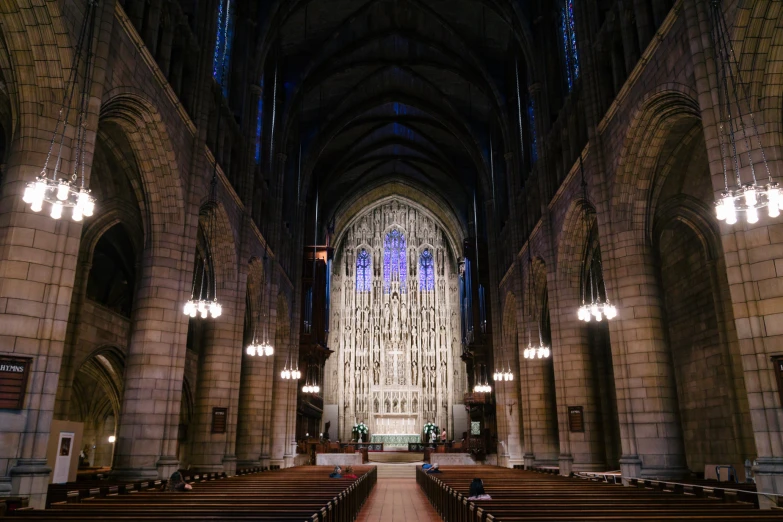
(650, 430)
(644, 23)
(148, 426)
(574, 375)
(150, 35)
(216, 386)
(754, 260)
(164, 53)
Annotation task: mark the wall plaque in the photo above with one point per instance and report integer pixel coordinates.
(13, 381)
(219, 420)
(576, 419)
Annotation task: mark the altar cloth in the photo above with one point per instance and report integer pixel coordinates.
(394, 440)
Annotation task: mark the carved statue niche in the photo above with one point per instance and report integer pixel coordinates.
(376, 373)
(376, 406)
(387, 406)
(415, 405)
(395, 319)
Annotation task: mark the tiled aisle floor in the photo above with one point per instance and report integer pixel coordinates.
(397, 500)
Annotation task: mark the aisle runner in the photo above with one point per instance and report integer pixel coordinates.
(396, 456)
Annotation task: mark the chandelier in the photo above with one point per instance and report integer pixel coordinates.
(747, 198)
(599, 307)
(205, 303)
(311, 386)
(264, 348)
(482, 385)
(531, 352)
(57, 190)
(289, 372)
(504, 375)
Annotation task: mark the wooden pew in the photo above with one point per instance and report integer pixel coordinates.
(519, 495)
(294, 494)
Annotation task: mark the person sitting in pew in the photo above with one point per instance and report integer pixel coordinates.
(434, 469)
(177, 483)
(477, 490)
(426, 466)
(349, 474)
(336, 473)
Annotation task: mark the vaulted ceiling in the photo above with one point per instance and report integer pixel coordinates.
(406, 91)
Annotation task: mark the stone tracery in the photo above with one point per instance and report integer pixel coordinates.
(395, 298)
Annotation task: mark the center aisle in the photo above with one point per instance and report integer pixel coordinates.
(397, 500)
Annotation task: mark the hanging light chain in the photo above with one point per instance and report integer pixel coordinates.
(62, 193)
(749, 197)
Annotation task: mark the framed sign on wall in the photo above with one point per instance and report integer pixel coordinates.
(219, 420)
(576, 419)
(14, 372)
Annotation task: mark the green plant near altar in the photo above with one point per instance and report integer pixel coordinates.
(430, 427)
(361, 429)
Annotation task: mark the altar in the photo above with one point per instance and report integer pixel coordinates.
(395, 431)
(394, 440)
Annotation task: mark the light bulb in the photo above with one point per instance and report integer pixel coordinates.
(610, 311)
(731, 211)
(510, 376)
(216, 309)
(269, 350)
(317, 389)
(89, 207)
(546, 352)
(750, 196)
(773, 199)
(112, 438)
(57, 210)
(62, 191)
(86, 203)
(29, 194)
(76, 215)
(186, 308)
(753, 215)
(720, 209)
(251, 350)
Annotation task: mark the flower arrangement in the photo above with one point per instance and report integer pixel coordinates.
(361, 429)
(430, 427)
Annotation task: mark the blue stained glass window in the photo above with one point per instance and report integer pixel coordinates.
(223, 39)
(570, 54)
(426, 272)
(259, 124)
(363, 273)
(531, 119)
(394, 262)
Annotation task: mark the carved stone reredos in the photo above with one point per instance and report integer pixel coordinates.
(397, 364)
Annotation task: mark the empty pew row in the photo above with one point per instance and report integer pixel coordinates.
(519, 495)
(295, 494)
(76, 491)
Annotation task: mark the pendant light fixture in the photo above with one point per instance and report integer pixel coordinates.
(255, 348)
(205, 303)
(289, 372)
(734, 107)
(311, 380)
(482, 384)
(503, 374)
(542, 351)
(598, 307)
(57, 190)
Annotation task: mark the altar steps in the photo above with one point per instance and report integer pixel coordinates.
(396, 457)
(397, 471)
